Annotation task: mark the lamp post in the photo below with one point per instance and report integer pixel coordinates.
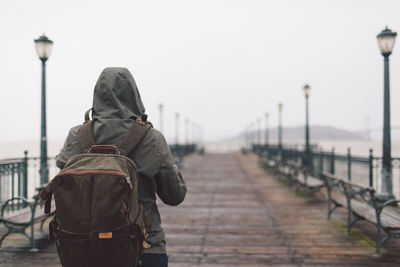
(306, 90)
(280, 107)
(161, 107)
(266, 129)
(245, 137)
(386, 41)
(187, 131)
(176, 128)
(200, 141)
(195, 133)
(43, 48)
(258, 131)
(253, 134)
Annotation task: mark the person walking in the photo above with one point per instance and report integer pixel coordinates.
(116, 106)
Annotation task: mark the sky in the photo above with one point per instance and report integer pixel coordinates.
(222, 63)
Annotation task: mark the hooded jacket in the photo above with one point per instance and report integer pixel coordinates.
(116, 104)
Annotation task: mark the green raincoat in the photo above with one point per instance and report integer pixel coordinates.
(116, 103)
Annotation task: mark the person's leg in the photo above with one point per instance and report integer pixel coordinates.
(153, 260)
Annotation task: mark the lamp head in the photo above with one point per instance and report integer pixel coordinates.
(306, 90)
(43, 46)
(386, 41)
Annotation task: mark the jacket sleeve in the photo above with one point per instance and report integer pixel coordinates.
(70, 148)
(171, 188)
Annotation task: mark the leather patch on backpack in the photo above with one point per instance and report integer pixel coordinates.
(107, 235)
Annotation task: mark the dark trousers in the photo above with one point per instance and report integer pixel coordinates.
(153, 260)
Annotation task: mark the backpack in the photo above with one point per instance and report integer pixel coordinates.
(98, 219)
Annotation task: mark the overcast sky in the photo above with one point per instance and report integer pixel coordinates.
(220, 63)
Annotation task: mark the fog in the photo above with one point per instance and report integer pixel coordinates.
(222, 64)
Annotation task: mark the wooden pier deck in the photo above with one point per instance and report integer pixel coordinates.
(236, 214)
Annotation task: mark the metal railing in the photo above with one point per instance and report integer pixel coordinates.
(182, 150)
(19, 177)
(13, 178)
(364, 171)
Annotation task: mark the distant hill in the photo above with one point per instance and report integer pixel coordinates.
(316, 133)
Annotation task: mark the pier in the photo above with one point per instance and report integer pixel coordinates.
(237, 214)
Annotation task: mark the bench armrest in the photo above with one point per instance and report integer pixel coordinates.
(24, 200)
(388, 203)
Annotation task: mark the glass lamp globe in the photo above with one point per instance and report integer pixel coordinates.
(280, 106)
(306, 90)
(386, 41)
(43, 46)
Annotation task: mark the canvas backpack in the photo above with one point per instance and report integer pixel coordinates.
(99, 221)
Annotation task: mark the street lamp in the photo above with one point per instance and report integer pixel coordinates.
(251, 133)
(187, 131)
(43, 48)
(195, 133)
(307, 90)
(280, 107)
(176, 128)
(386, 41)
(201, 138)
(161, 107)
(266, 129)
(258, 131)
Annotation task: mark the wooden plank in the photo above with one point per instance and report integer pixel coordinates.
(389, 218)
(311, 181)
(314, 182)
(341, 201)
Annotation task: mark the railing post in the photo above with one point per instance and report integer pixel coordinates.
(13, 165)
(25, 175)
(371, 168)
(321, 162)
(311, 161)
(349, 163)
(333, 161)
(1, 181)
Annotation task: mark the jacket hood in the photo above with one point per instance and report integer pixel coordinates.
(116, 104)
(116, 96)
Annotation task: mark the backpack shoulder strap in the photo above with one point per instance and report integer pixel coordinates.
(134, 137)
(85, 136)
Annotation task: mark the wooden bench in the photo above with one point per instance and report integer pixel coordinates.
(302, 178)
(290, 168)
(18, 213)
(271, 163)
(362, 204)
(268, 162)
(309, 183)
(285, 170)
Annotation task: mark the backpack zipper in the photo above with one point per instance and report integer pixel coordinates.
(128, 180)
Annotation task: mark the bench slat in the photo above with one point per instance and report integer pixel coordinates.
(311, 181)
(390, 217)
(341, 201)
